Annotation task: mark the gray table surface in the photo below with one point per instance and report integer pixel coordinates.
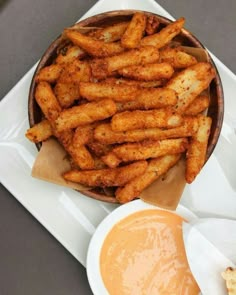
(31, 260)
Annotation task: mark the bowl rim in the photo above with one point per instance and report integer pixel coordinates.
(96, 242)
(128, 12)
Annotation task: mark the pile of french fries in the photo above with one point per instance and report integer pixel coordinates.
(126, 103)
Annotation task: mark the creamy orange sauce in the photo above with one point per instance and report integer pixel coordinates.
(144, 254)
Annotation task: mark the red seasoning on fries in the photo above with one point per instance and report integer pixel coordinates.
(135, 31)
(126, 103)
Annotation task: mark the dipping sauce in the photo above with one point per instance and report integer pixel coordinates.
(144, 254)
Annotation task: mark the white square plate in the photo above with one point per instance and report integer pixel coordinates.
(72, 217)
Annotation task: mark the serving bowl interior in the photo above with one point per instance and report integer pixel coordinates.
(215, 109)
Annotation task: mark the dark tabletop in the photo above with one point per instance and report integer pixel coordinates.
(31, 260)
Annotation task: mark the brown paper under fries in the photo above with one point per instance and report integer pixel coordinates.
(165, 192)
(51, 162)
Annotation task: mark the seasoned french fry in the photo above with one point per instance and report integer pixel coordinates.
(143, 84)
(163, 37)
(150, 149)
(96, 91)
(104, 133)
(190, 82)
(148, 72)
(135, 31)
(47, 101)
(156, 168)
(102, 68)
(145, 119)
(85, 114)
(107, 177)
(65, 138)
(83, 134)
(150, 98)
(94, 47)
(66, 93)
(75, 72)
(81, 156)
(152, 25)
(200, 104)
(98, 148)
(111, 160)
(49, 74)
(196, 152)
(68, 55)
(39, 132)
(177, 57)
(111, 33)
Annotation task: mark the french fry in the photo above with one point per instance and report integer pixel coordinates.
(104, 133)
(135, 31)
(39, 132)
(94, 47)
(96, 91)
(145, 119)
(102, 68)
(79, 153)
(111, 33)
(98, 148)
(65, 138)
(150, 149)
(152, 25)
(85, 114)
(142, 84)
(163, 37)
(66, 93)
(200, 104)
(107, 177)
(69, 54)
(83, 134)
(148, 72)
(47, 101)
(177, 57)
(111, 160)
(49, 74)
(150, 98)
(196, 152)
(156, 168)
(81, 156)
(75, 72)
(190, 82)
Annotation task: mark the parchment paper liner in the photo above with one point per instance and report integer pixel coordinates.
(52, 161)
(165, 192)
